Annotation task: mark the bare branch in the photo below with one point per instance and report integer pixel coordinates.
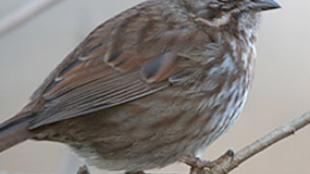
(24, 14)
(229, 162)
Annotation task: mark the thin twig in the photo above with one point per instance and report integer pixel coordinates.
(226, 165)
(23, 14)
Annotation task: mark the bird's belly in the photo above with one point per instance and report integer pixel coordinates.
(145, 134)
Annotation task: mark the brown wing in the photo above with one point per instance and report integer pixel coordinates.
(126, 58)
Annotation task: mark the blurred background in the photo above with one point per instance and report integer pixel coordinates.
(281, 90)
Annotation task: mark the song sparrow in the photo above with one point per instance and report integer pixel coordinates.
(161, 80)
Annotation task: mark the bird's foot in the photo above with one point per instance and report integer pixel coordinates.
(198, 165)
(83, 170)
(195, 161)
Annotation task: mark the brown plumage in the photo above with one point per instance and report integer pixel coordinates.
(161, 80)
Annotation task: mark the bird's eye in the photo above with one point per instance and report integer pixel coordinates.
(213, 13)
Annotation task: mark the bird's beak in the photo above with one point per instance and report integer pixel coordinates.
(263, 5)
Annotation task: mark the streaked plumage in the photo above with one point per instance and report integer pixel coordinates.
(161, 80)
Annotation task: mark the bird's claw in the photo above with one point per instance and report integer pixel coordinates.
(194, 161)
(198, 164)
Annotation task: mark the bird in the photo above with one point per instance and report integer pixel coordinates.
(161, 80)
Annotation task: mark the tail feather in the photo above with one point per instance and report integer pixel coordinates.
(14, 131)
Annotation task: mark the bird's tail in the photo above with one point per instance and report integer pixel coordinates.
(14, 131)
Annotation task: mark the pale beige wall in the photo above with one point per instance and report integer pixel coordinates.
(281, 90)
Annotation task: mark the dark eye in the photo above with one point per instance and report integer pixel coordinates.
(213, 13)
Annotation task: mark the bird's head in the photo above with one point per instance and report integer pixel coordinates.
(239, 6)
(220, 12)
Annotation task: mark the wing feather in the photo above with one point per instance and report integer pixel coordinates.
(80, 102)
(103, 72)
